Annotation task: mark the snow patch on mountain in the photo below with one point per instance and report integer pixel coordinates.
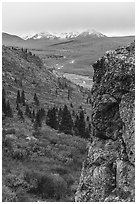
(63, 35)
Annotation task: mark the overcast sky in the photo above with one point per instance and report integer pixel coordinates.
(109, 18)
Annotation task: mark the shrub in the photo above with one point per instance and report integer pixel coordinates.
(60, 186)
(22, 195)
(19, 153)
(8, 195)
(10, 131)
(7, 143)
(60, 170)
(47, 185)
(15, 182)
(69, 179)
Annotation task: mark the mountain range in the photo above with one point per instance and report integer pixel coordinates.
(63, 35)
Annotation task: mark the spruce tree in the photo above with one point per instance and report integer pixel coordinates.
(4, 105)
(36, 100)
(81, 124)
(76, 125)
(33, 114)
(71, 105)
(42, 113)
(73, 113)
(16, 81)
(38, 121)
(87, 99)
(69, 93)
(20, 113)
(28, 111)
(51, 118)
(89, 127)
(18, 100)
(66, 122)
(3, 101)
(3, 93)
(23, 98)
(8, 110)
(17, 107)
(87, 133)
(87, 119)
(55, 119)
(59, 115)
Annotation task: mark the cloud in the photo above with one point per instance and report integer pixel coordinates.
(36, 17)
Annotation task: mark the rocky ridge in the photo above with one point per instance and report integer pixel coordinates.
(108, 171)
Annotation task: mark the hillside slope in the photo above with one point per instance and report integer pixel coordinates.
(39, 163)
(24, 71)
(108, 173)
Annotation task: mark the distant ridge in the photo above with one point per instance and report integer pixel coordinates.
(7, 36)
(64, 35)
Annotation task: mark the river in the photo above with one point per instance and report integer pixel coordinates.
(84, 81)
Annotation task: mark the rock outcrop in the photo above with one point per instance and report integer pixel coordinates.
(108, 173)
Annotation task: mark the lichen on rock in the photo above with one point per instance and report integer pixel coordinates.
(108, 173)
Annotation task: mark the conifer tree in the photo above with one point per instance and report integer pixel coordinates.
(80, 107)
(36, 99)
(51, 119)
(89, 127)
(23, 98)
(8, 110)
(28, 111)
(33, 114)
(87, 99)
(81, 124)
(87, 133)
(59, 116)
(3, 101)
(76, 125)
(43, 113)
(73, 113)
(3, 93)
(18, 100)
(20, 114)
(69, 93)
(66, 122)
(71, 105)
(87, 119)
(4, 105)
(38, 121)
(16, 81)
(17, 107)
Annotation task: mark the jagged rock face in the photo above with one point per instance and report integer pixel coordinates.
(108, 173)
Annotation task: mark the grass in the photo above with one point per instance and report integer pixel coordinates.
(48, 169)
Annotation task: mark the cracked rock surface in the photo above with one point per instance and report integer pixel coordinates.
(108, 173)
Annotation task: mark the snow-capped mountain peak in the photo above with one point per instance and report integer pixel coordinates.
(63, 35)
(92, 32)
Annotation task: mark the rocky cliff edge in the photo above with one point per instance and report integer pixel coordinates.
(108, 173)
